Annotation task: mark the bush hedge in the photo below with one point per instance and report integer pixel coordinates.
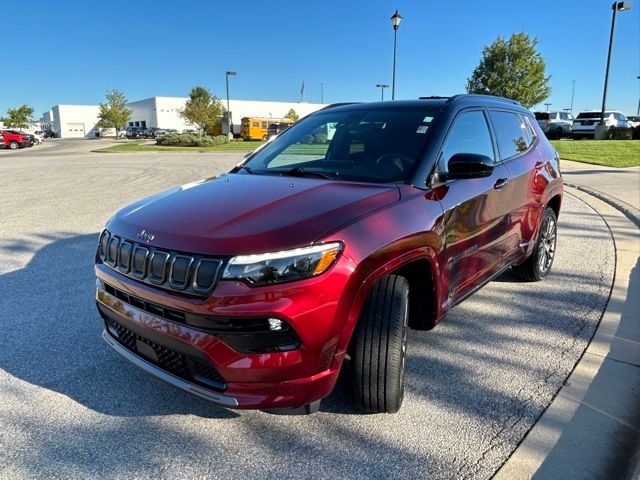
(619, 133)
(191, 140)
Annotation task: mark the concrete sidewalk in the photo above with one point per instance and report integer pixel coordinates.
(591, 430)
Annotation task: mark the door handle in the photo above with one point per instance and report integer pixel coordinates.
(501, 183)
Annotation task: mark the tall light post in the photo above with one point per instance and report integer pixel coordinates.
(382, 86)
(638, 112)
(395, 21)
(547, 105)
(229, 73)
(616, 7)
(573, 91)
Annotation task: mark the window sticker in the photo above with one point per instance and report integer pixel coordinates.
(422, 129)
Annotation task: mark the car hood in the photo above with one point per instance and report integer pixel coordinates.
(241, 213)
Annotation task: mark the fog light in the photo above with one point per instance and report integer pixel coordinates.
(275, 324)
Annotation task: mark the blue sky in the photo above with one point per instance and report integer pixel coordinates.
(72, 52)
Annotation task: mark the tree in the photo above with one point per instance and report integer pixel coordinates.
(512, 69)
(114, 113)
(19, 118)
(291, 114)
(203, 109)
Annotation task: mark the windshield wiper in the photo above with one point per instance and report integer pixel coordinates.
(301, 172)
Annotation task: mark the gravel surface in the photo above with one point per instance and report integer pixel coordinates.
(69, 408)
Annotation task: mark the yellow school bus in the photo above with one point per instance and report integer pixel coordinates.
(256, 128)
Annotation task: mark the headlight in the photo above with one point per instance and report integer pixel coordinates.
(284, 266)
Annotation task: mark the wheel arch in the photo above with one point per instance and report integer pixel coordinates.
(555, 202)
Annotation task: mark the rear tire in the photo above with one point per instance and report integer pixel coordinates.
(559, 133)
(380, 345)
(13, 145)
(538, 265)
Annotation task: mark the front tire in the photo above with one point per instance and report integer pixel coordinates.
(538, 265)
(380, 346)
(13, 145)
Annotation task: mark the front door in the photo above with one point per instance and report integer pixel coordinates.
(476, 211)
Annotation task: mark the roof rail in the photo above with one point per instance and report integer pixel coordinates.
(433, 97)
(334, 105)
(480, 95)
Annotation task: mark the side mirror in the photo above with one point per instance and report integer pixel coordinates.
(468, 165)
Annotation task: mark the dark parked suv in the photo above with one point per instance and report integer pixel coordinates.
(254, 288)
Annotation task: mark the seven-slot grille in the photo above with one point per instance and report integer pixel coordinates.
(176, 363)
(188, 273)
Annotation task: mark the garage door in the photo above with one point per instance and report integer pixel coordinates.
(75, 130)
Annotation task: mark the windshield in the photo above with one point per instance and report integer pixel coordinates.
(379, 146)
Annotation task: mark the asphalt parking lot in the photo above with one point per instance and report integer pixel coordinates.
(70, 408)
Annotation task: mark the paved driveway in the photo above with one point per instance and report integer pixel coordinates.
(71, 408)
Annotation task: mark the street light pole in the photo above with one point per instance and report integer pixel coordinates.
(547, 105)
(573, 91)
(638, 112)
(382, 86)
(395, 21)
(616, 7)
(229, 73)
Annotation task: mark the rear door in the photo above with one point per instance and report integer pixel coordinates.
(526, 165)
(475, 210)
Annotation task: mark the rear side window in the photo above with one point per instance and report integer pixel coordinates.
(469, 134)
(542, 115)
(509, 133)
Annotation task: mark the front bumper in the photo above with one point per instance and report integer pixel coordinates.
(315, 309)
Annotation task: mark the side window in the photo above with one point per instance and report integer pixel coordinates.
(563, 116)
(469, 134)
(264, 124)
(256, 124)
(529, 125)
(509, 133)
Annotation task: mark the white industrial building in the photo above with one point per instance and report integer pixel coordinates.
(71, 121)
(80, 120)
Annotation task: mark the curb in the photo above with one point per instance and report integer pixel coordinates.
(591, 429)
(628, 211)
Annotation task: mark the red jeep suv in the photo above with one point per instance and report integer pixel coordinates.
(253, 288)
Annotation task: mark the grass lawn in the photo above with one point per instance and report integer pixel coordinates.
(610, 153)
(143, 147)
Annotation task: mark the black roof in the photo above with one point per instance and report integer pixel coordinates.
(467, 100)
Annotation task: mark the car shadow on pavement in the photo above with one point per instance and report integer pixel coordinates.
(52, 337)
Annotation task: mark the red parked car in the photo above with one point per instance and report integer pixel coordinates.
(14, 140)
(254, 288)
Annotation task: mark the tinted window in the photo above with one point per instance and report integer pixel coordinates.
(368, 145)
(509, 133)
(541, 116)
(589, 115)
(469, 134)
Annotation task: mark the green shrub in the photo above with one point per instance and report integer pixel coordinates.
(320, 138)
(619, 133)
(191, 140)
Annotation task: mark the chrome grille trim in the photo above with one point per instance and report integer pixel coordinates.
(110, 252)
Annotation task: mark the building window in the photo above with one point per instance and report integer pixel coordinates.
(137, 124)
(143, 123)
